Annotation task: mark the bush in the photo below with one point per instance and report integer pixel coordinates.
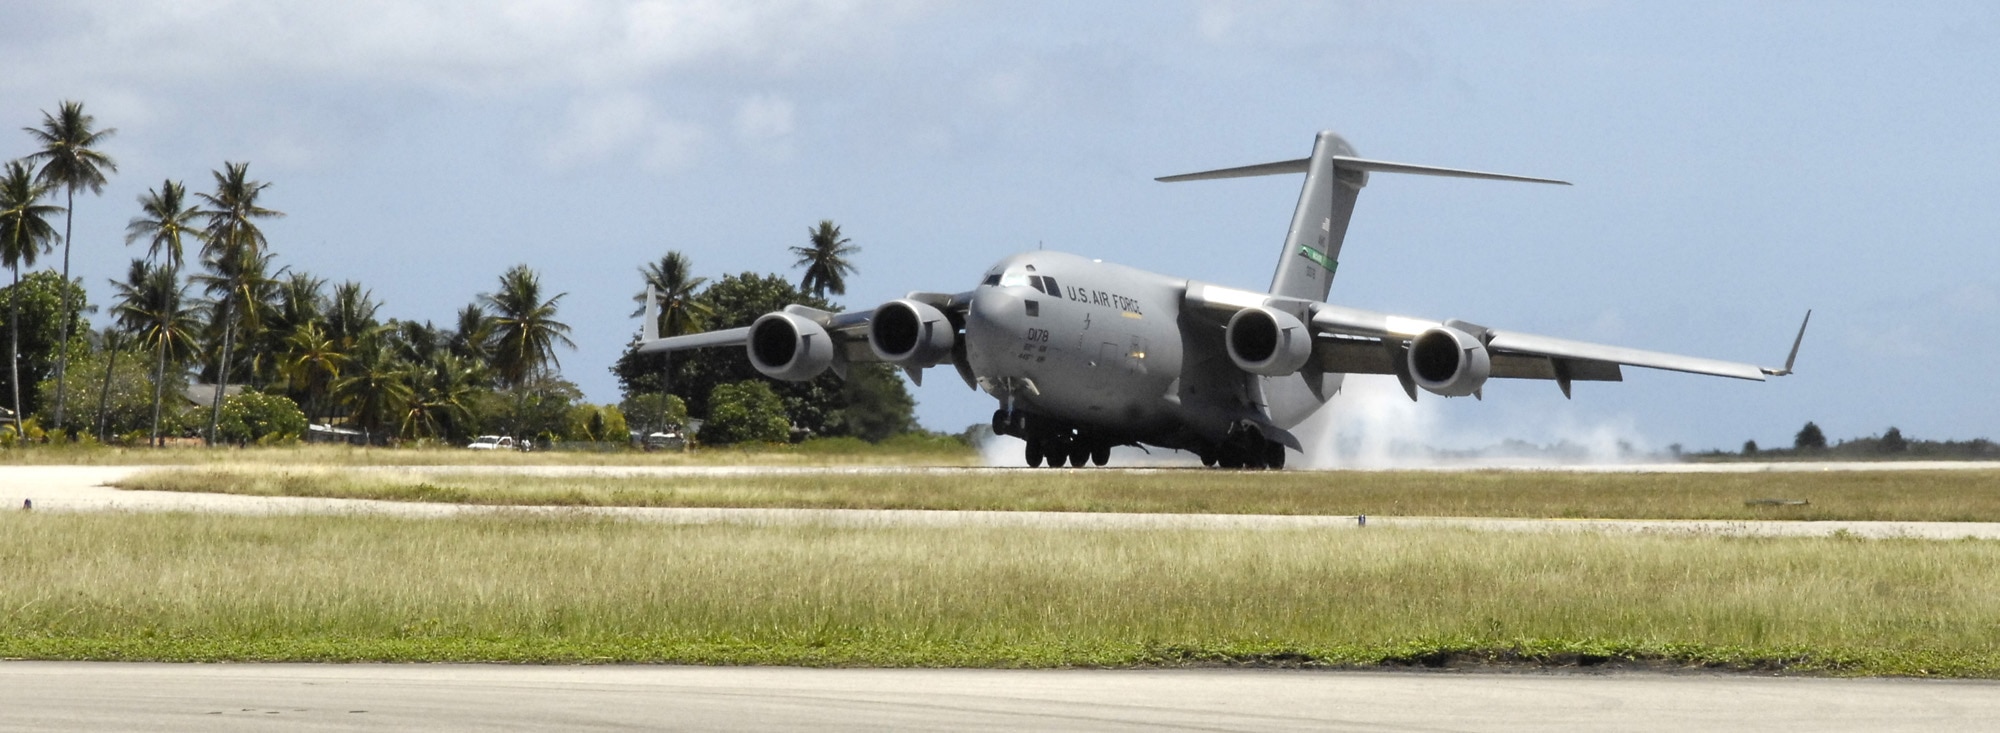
(254, 417)
(745, 412)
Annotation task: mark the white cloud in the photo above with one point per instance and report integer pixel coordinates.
(621, 126)
(764, 118)
(468, 46)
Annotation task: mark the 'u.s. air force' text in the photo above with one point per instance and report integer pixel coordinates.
(1103, 298)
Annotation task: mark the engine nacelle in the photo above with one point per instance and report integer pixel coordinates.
(1449, 362)
(910, 334)
(789, 346)
(1267, 341)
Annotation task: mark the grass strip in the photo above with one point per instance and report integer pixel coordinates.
(1930, 496)
(192, 587)
(901, 451)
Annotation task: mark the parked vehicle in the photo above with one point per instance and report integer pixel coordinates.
(492, 442)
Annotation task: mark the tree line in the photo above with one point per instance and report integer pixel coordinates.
(1811, 442)
(209, 303)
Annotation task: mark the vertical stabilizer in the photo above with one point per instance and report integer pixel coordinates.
(1334, 178)
(1312, 246)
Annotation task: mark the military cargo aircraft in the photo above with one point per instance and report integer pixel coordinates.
(1084, 355)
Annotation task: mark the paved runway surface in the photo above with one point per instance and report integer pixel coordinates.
(229, 697)
(83, 488)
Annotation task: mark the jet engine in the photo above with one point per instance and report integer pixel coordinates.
(1267, 341)
(1449, 362)
(789, 346)
(911, 334)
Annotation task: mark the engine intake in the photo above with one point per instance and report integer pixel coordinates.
(1267, 341)
(789, 346)
(1449, 362)
(911, 334)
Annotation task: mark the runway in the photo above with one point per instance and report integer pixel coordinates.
(229, 697)
(84, 488)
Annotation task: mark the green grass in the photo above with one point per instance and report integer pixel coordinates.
(1947, 496)
(192, 587)
(908, 450)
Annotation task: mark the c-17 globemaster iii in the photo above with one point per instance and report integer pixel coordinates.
(1084, 355)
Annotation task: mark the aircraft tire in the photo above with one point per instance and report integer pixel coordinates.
(1034, 453)
(1274, 456)
(1000, 422)
(1056, 449)
(1079, 455)
(1101, 454)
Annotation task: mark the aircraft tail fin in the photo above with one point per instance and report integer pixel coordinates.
(1334, 178)
(649, 330)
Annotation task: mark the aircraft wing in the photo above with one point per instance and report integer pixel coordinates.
(848, 331)
(1355, 341)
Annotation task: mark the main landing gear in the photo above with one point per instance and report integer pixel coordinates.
(1245, 447)
(1052, 444)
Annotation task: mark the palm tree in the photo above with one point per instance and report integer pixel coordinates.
(153, 304)
(525, 327)
(350, 318)
(110, 342)
(69, 159)
(300, 303)
(825, 260)
(239, 298)
(233, 210)
(25, 233)
(166, 222)
(376, 389)
(671, 280)
(232, 243)
(441, 392)
(311, 364)
(472, 340)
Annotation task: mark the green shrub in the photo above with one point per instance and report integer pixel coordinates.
(745, 412)
(254, 417)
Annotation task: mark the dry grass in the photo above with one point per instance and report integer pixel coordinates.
(810, 453)
(179, 586)
(1946, 496)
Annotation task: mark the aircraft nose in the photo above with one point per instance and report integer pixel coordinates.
(995, 315)
(997, 309)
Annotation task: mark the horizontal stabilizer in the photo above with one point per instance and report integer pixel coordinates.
(1357, 164)
(1383, 166)
(1265, 169)
(724, 337)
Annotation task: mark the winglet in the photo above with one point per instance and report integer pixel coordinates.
(1794, 356)
(650, 330)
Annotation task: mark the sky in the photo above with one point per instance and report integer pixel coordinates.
(1734, 165)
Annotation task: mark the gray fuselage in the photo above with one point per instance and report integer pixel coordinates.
(1106, 349)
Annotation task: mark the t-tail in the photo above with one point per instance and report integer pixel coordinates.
(1334, 178)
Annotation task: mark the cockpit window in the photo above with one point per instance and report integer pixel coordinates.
(1013, 278)
(993, 279)
(1050, 286)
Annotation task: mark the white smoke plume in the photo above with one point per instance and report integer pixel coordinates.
(1371, 424)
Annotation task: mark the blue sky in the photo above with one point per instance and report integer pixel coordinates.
(1735, 164)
